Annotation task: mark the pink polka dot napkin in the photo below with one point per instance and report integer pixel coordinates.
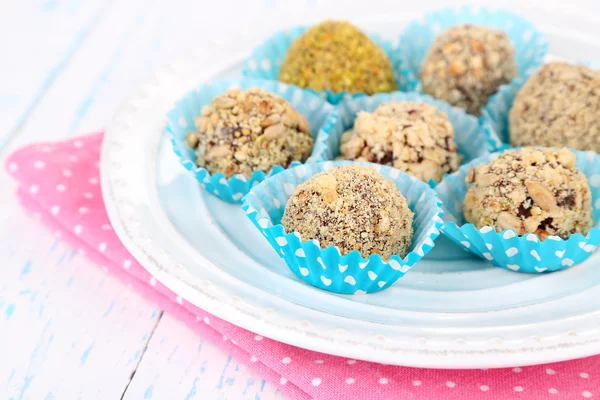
(60, 182)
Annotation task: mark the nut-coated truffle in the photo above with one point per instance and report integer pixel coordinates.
(558, 106)
(415, 138)
(245, 131)
(352, 207)
(530, 190)
(467, 64)
(339, 57)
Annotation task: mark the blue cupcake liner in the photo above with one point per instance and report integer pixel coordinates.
(469, 140)
(494, 115)
(180, 121)
(265, 61)
(530, 45)
(508, 250)
(327, 268)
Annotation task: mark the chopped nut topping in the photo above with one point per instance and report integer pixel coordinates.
(466, 64)
(535, 190)
(240, 132)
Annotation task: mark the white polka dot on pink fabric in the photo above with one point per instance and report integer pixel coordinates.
(417, 383)
(102, 247)
(39, 164)
(316, 382)
(584, 375)
(179, 300)
(152, 281)
(550, 371)
(127, 264)
(383, 381)
(319, 361)
(283, 381)
(552, 391)
(484, 388)
(258, 338)
(286, 360)
(33, 189)
(67, 173)
(206, 320)
(586, 394)
(83, 210)
(73, 159)
(518, 388)
(77, 229)
(61, 188)
(88, 195)
(253, 359)
(78, 143)
(350, 381)
(225, 338)
(13, 167)
(93, 181)
(517, 370)
(351, 362)
(450, 384)
(54, 210)
(106, 227)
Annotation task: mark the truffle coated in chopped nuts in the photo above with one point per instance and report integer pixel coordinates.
(416, 138)
(530, 190)
(354, 208)
(558, 106)
(467, 64)
(245, 131)
(337, 56)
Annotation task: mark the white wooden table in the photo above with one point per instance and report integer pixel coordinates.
(68, 330)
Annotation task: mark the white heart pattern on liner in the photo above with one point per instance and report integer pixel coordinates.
(303, 271)
(350, 280)
(325, 281)
(512, 251)
(568, 262)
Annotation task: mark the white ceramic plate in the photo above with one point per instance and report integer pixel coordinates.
(451, 311)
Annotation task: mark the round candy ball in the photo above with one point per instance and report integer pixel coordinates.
(245, 131)
(352, 207)
(530, 190)
(339, 57)
(558, 106)
(415, 138)
(467, 64)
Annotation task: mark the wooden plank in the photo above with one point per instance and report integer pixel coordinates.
(178, 364)
(35, 57)
(67, 328)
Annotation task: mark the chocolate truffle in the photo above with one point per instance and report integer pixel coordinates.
(354, 208)
(467, 64)
(415, 138)
(245, 131)
(339, 57)
(558, 106)
(531, 190)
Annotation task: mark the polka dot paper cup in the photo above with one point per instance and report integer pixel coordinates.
(469, 140)
(180, 121)
(494, 116)
(417, 38)
(326, 268)
(508, 250)
(265, 61)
